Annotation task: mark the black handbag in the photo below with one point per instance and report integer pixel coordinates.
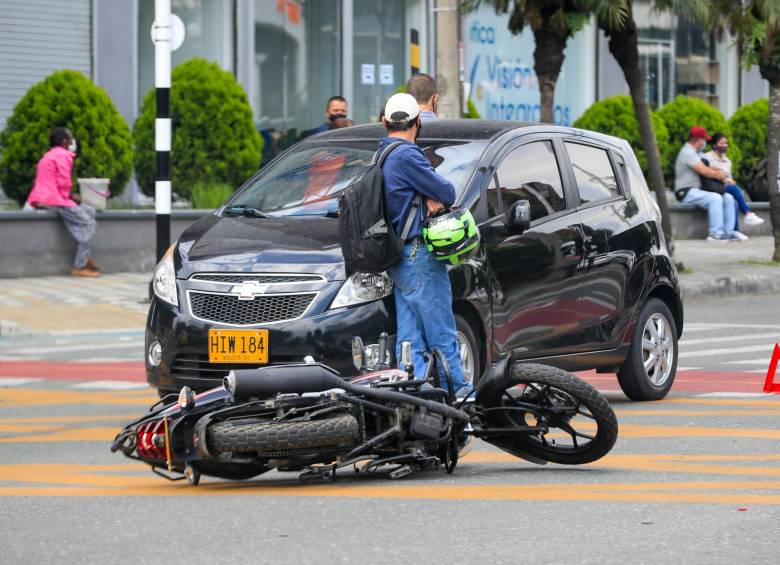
(711, 185)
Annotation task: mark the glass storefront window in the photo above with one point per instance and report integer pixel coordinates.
(677, 57)
(209, 34)
(296, 66)
(378, 59)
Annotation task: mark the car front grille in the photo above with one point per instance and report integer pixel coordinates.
(239, 278)
(197, 366)
(265, 309)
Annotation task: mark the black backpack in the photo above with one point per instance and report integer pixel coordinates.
(368, 241)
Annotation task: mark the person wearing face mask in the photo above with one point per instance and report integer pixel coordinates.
(52, 190)
(423, 296)
(688, 171)
(716, 157)
(335, 116)
(423, 88)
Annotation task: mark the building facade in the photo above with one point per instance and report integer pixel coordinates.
(291, 55)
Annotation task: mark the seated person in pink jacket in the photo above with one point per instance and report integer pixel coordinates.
(52, 189)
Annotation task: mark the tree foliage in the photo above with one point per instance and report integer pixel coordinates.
(615, 116)
(214, 137)
(65, 98)
(683, 113)
(748, 130)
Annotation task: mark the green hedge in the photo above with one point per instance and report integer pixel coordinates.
(684, 112)
(65, 98)
(615, 116)
(214, 137)
(748, 130)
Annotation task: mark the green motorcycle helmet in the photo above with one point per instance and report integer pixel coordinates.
(451, 235)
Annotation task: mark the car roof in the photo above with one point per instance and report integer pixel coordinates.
(461, 129)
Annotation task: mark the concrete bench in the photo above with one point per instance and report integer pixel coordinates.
(37, 243)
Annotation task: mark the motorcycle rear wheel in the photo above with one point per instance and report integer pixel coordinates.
(266, 436)
(567, 441)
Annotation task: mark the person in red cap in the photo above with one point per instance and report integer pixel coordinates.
(688, 172)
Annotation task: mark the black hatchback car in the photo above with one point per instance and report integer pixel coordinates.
(587, 284)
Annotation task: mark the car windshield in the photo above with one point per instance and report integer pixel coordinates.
(308, 180)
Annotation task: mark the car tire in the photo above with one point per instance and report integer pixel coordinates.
(655, 336)
(470, 359)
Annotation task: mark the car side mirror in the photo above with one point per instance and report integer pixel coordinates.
(518, 218)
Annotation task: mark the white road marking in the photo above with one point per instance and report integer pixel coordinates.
(731, 395)
(705, 327)
(17, 381)
(689, 368)
(746, 337)
(761, 361)
(110, 385)
(67, 348)
(728, 351)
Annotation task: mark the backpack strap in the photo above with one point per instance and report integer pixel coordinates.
(382, 154)
(410, 218)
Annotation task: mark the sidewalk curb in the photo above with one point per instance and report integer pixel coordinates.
(729, 286)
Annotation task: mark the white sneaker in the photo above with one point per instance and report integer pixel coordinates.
(738, 236)
(719, 237)
(752, 219)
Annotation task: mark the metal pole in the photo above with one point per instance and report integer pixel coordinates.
(162, 123)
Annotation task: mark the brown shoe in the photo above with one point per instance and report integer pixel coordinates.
(92, 266)
(84, 272)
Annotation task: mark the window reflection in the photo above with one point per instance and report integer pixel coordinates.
(592, 171)
(309, 180)
(531, 173)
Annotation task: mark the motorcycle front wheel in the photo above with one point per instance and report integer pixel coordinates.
(580, 426)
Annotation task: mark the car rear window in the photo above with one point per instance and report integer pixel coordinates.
(308, 180)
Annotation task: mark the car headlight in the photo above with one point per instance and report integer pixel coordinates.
(164, 281)
(363, 287)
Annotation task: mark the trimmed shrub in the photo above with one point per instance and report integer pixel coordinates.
(683, 113)
(214, 137)
(615, 116)
(65, 98)
(748, 130)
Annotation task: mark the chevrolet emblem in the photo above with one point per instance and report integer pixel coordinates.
(249, 290)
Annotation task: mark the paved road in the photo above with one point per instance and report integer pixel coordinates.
(695, 478)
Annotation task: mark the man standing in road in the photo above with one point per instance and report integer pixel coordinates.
(423, 296)
(687, 187)
(423, 88)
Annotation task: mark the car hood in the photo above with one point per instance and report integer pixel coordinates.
(269, 245)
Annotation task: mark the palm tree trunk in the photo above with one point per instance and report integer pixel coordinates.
(624, 46)
(548, 60)
(772, 147)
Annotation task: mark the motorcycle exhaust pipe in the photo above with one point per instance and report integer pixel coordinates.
(267, 382)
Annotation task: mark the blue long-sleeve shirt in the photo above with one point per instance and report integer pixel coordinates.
(408, 172)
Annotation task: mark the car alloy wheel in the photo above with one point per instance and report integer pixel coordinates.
(467, 357)
(657, 349)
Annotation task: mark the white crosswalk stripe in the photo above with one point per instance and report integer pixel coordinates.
(110, 385)
(17, 381)
(729, 347)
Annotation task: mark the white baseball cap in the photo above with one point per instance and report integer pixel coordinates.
(401, 102)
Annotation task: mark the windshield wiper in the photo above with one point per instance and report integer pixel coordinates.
(242, 210)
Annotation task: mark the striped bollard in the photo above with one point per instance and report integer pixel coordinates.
(162, 123)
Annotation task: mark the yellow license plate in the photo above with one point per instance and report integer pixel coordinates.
(238, 346)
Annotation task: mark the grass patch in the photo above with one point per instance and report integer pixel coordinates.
(210, 195)
(761, 263)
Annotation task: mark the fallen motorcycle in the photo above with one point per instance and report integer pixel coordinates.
(305, 417)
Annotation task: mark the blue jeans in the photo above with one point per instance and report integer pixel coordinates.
(721, 210)
(423, 303)
(739, 198)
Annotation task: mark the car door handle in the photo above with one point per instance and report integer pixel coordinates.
(569, 249)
